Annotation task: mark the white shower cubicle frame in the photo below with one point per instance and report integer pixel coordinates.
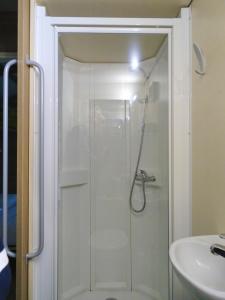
(43, 270)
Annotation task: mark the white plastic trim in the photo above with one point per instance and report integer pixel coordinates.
(119, 30)
(79, 21)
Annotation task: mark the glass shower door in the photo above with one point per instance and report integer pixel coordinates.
(113, 134)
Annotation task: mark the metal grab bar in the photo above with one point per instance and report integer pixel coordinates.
(5, 155)
(40, 70)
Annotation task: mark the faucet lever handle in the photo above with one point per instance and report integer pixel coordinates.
(218, 249)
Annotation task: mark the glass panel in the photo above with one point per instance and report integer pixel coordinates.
(113, 221)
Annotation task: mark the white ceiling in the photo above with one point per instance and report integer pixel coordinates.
(114, 8)
(110, 48)
(117, 48)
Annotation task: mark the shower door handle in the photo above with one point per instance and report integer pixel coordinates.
(5, 155)
(40, 247)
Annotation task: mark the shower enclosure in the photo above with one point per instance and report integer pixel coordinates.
(112, 143)
(113, 132)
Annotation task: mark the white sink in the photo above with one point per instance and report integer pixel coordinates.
(201, 272)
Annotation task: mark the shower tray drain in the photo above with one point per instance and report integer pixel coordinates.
(110, 298)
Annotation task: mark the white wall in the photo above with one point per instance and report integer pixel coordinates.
(102, 244)
(208, 119)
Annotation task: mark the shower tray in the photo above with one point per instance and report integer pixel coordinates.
(121, 295)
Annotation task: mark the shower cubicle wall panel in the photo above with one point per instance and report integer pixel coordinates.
(74, 185)
(110, 226)
(110, 92)
(150, 232)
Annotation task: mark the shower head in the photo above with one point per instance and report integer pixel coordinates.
(135, 66)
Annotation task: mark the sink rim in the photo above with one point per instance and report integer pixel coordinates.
(203, 240)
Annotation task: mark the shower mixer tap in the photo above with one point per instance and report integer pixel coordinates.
(142, 175)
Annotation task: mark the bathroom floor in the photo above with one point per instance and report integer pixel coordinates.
(97, 295)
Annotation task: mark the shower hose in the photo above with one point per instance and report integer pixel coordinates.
(135, 210)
